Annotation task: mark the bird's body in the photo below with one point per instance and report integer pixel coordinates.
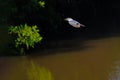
(74, 23)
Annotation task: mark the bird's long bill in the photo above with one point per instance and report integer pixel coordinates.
(82, 25)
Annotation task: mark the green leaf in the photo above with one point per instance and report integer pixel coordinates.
(42, 4)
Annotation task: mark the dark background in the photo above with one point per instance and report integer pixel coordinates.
(101, 17)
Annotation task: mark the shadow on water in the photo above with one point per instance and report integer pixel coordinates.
(67, 45)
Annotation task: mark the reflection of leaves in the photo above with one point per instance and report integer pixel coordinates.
(38, 73)
(42, 3)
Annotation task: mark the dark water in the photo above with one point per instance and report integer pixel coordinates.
(100, 60)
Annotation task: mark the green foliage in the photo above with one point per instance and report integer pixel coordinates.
(23, 11)
(6, 7)
(35, 72)
(42, 3)
(25, 35)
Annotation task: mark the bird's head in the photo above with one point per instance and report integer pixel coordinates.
(68, 19)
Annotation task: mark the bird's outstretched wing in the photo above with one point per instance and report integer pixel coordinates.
(74, 24)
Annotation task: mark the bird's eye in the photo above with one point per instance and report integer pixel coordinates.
(77, 24)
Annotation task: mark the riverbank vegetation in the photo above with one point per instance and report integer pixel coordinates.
(49, 15)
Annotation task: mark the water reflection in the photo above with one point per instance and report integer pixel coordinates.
(101, 61)
(115, 73)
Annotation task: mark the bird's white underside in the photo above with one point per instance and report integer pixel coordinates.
(74, 23)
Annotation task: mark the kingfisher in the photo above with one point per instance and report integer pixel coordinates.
(74, 23)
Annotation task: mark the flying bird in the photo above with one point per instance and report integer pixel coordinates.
(74, 23)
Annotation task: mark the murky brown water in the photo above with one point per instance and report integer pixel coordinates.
(99, 61)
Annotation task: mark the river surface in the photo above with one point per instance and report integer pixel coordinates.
(98, 60)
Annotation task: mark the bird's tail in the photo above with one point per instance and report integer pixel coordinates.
(82, 25)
